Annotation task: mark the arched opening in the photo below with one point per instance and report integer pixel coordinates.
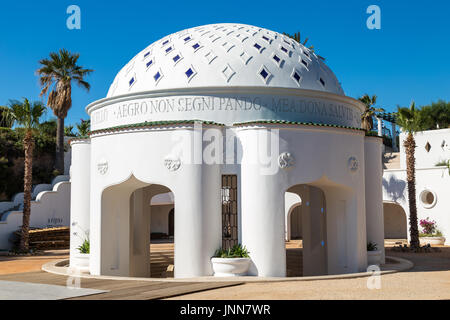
(296, 223)
(162, 235)
(129, 215)
(395, 223)
(306, 250)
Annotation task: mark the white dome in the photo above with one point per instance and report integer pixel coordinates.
(224, 55)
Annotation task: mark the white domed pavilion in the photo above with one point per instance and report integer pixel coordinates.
(224, 134)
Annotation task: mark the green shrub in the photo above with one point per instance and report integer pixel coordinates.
(237, 251)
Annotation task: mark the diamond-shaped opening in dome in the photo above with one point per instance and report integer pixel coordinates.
(132, 81)
(267, 39)
(190, 73)
(296, 76)
(187, 38)
(428, 147)
(322, 82)
(157, 76)
(210, 56)
(304, 62)
(258, 47)
(165, 42)
(177, 58)
(149, 63)
(147, 54)
(264, 74)
(228, 72)
(278, 61)
(245, 57)
(285, 50)
(196, 46)
(168, 50)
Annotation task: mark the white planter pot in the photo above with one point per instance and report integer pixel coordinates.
(432, 240)
(374, 257)
(230, 267)
(81, 262)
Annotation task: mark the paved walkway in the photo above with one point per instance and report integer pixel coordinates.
(429, 279)
(18, 264)
(114, 289)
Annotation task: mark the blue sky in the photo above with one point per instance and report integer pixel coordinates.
(407, 59)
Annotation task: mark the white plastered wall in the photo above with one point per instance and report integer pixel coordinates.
(136, 160)
(263, 199)
(374, 192)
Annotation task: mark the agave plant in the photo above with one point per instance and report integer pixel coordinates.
(237, 251)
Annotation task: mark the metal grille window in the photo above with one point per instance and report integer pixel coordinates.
(229, 211)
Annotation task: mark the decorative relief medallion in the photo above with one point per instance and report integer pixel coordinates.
(102, 166)
(286, 160)
(353, 164)
(172, 164)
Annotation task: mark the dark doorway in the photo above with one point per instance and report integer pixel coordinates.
(171, 223)
(229, 211)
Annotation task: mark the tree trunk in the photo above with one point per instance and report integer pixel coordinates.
(28, 145)
(410, 146)
(59, 160)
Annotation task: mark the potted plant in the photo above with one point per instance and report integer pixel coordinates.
(82, 257)
(232, 262)
(430, 234)
(373, 254)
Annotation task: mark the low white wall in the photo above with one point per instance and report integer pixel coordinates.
(436, 180)
(51, 209)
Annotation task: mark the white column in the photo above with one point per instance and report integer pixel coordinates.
(263, 222)
(380, 126)
(346, 229)
(140, 237)
(374, 192)
(197, 217)
(80, 201)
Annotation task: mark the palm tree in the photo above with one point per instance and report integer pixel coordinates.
(83, 127)
(26, 114)
(56, 76)
(410, 120)
(4, 121)
(297, 38)
(369, 113)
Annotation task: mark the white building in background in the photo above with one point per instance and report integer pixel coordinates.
(432, 185)
(236, 127)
